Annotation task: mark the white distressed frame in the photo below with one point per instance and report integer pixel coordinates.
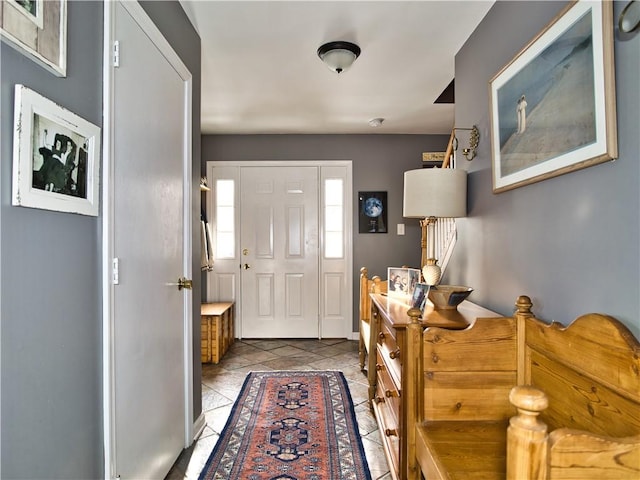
(28, 105)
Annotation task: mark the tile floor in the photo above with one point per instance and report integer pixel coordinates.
(221, 384)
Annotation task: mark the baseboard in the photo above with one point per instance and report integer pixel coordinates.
(355, 335)
(198, 426)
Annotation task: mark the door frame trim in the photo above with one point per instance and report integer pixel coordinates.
(108, 222)
(348, 207)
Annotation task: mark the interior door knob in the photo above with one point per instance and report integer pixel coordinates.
(246, 266)
(185, 283)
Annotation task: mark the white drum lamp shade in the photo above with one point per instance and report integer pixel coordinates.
(431, 193)
(435, 192)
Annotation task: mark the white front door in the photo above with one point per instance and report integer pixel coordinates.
(283, 221)
(147, 396)
(279, 254)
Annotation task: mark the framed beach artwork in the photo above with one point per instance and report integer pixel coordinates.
(37, 29)
(553, 106)
(56, 157)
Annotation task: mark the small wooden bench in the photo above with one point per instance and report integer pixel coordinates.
(217, 330)
(492, 393)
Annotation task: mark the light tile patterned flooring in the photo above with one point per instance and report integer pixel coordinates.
(221, 385)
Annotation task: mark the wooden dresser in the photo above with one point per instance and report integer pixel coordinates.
(397, 400)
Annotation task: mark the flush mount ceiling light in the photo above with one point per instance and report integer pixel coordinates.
(339, 55)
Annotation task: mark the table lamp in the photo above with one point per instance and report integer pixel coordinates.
(429, 194)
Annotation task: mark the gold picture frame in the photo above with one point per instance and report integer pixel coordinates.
(553, 107)
(37, 29)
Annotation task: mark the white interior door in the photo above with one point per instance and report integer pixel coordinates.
(279, 254)
(148, 334)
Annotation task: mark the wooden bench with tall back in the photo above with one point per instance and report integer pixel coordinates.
(368, 332)
(573, 411)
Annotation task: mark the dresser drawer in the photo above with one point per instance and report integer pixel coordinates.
(387, 335)
(386, 411)
(390, 352)
(387, 392)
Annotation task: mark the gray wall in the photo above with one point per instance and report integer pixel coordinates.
(379, 162)
(50, 303)
(571, 242)
(50, 310)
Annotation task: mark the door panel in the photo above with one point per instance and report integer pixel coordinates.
(279, 234)
(148, 314)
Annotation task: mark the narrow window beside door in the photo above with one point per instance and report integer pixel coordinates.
(333, 218)
(225, 219)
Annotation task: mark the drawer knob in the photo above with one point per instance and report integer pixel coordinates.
(391, 393)
(381, 336)
(378, 400)
(379, 367)
(395, 353)
(391, 432)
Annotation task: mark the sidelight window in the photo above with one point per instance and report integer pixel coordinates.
(333, 218)
(225, 219)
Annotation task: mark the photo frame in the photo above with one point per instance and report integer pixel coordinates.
(402, 283)
(56, 157)
(372, 214)
(37, 29)
(419, 296)
(553, 106)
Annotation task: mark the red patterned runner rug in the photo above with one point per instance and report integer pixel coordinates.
(290, 426)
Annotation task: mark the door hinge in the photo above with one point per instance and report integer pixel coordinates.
(116, 53)
(115, 271)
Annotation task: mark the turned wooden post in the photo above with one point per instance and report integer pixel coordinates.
(365, 313)
(412, 388)
(527, 435)
(523, 312)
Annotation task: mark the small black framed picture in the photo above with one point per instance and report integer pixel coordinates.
(372, 215)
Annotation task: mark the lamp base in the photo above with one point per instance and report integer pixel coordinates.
(431, 273)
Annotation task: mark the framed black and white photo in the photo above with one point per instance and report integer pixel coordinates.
(372, 215)
(37, 29)
(56, 157)
(553, 106)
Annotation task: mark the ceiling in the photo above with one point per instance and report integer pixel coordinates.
(261, 73)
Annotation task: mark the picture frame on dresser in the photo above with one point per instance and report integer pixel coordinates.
(553, 105)
(402, 283)
(38, 30)
(56, 157)
(419, 296)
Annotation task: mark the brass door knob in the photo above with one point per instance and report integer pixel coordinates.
(185, 283)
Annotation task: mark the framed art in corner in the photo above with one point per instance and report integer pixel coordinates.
(553, 106)
(37, 29)
(372, 215)
(56, 157)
